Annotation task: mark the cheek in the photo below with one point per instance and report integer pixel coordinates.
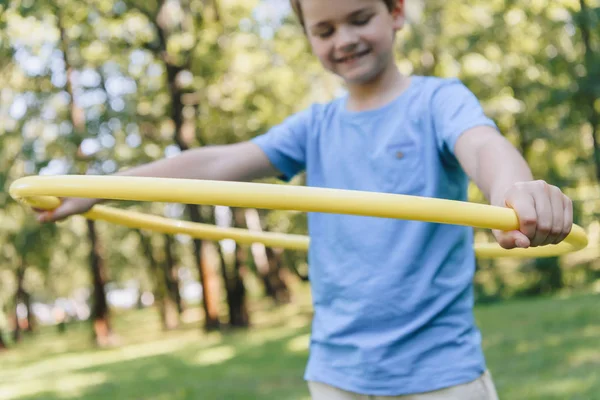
(379, 38)
(379, 33)
(320, 49)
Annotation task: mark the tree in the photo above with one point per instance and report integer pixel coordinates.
(160, 269)
(28, 252)
(170, 273)
(588, 97)
(175, 64)
(267, 261)
(100, 311)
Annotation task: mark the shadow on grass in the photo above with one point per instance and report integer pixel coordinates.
(229, 370)
(536, 349)
(266, 362)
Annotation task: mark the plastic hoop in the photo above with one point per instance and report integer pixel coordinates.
(43, 192)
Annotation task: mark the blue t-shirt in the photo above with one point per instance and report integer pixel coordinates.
(392, 299)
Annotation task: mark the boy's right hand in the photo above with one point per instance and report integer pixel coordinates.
(69, 206)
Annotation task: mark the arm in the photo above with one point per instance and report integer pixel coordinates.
(279, 152)
(498, 169)
(236, 162)
(481, 151)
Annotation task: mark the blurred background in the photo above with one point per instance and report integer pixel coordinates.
(96, 311)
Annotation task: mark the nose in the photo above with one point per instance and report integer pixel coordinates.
(346, 39)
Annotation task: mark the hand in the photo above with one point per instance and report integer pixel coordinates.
(545, 215)
(69, 206)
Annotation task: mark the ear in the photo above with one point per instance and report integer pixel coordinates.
(398, 15)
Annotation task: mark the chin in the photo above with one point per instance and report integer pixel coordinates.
(361, 78)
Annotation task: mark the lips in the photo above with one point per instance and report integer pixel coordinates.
(352, 57)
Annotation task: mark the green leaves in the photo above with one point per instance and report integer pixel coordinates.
(534, 65)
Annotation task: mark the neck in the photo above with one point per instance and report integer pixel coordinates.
(378, 92)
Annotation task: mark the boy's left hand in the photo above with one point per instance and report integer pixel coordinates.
(545, 215)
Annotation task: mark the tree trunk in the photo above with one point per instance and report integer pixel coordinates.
(166, 307)
(170, 273)
(17, 333)
(234, 286)
(100, 311)
(236, 290)
(208, 277)
(208, 274)
(594, 123)
(209, 287)
(76, 113)
(229, 287)
(2, 342)
(267, 261)
(30, 317)
(238, 307)
(24, 297)
(279, 287)
(590, 99)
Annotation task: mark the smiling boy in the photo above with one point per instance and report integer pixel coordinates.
(393, 300)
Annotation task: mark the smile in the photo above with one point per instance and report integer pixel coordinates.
(353, 56)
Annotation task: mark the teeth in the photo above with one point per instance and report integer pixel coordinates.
(349, 58)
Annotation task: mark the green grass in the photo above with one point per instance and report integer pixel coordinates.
(536, 349)
(544, 348)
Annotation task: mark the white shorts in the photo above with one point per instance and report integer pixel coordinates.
(481, 388)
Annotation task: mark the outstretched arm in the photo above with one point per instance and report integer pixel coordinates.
(498, 169)
(236, 162)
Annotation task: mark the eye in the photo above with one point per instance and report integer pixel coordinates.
(324, 33)
(362, 20)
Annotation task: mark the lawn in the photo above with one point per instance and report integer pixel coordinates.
(536, 349)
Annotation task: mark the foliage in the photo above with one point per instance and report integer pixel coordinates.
(243, 66)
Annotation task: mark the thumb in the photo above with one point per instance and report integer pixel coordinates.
(512, 239)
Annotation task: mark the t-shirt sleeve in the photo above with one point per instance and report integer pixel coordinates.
(285, 144)
(455, 110)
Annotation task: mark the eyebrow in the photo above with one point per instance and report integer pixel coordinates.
(323, 24)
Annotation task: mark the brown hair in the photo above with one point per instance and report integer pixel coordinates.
(298, 10)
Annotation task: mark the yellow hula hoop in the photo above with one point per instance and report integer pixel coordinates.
(43, 192)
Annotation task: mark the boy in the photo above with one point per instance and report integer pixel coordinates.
(393, 299)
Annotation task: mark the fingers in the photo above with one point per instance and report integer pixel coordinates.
(525, 206)
(48, 216)
(558, 222)
(567, 219)
(545, 217)
(68, 207)
(65, 210)
(545, 214)
(511, 239)
(43, 216)
(558, 215)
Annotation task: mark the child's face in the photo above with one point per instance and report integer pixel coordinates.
(352, 38)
